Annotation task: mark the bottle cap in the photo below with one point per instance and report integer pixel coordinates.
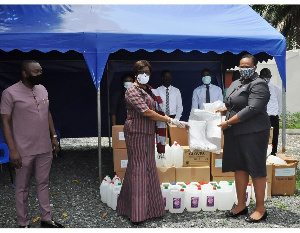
(183, 186)
(249, 184)
(119, 183)
(182, 190)
(214, 188)
(199, 188)
(218, 187)
(166, 187)
(173, 183)
(215, 185)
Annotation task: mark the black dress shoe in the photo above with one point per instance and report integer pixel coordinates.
(251, 220)
(27, 226)
(232, 215)
(51, 224)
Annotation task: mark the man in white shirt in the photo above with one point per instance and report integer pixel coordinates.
(171, 96)
(206, 93)
(274, 107)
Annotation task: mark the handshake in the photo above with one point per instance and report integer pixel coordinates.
(180, 124)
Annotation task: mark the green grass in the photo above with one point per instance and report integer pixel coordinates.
(292, 121)
(298, 182)
(280, 205)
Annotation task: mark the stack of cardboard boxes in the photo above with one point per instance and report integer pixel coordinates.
(205, 166)
(119, 150)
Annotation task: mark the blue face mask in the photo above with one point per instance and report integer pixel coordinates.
(206, 80)
(246, 73)
(127, 84)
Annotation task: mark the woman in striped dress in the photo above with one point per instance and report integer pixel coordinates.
(141, 196)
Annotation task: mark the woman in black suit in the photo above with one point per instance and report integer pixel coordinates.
(246, 135)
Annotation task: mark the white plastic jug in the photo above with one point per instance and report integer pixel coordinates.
(175, 186)
(166, 195)
(158, 158)
(115, 194)
(253, 192)
(248, 195)
(176, 201)
(177, 152)
(209, 200)
(109, 193)
(169, 158)
(269, 150)
(180, 183)
(103, 189)
(193, 199)
(225, 197)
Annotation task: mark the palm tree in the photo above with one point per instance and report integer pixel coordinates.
(285, 18)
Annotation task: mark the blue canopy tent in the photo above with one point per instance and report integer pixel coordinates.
(96, 31)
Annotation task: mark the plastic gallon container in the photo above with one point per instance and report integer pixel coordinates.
(103, 188)
(176, 201)
(248, 193)
(166, 195)
(115, 194)
(168, 161)
(175, 186)
(225, 198)
(109, 193)
(158, 158)
(193, 199)
(209, 200)
(177, 153)
(180, 183)
(253, 192)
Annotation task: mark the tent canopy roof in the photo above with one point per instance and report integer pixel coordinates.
(98, 30)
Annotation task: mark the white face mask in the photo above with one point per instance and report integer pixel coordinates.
(127, 84)
(143, 78)
(206, 80)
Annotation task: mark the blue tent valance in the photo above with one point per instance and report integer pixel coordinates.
(98, 30)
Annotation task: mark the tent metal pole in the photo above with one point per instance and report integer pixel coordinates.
(283, 119)
(99, 133)
(108, 106)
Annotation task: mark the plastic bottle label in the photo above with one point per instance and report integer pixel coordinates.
(210, 201)
(165, 201)
(194, 202)
(176, 203)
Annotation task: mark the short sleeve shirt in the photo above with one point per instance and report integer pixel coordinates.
(29, 109)
(137, 102)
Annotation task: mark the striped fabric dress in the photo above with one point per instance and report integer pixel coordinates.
(140, 196)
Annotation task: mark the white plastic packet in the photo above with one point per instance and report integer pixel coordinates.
(213, 106)
(197, 137)
(276, 160)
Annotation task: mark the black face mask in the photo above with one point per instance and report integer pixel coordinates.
(166, 82)
(35, 80)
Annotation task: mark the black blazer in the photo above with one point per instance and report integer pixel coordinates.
(249, 101)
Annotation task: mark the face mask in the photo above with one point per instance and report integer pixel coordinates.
(166, 82)
(127, 84)
(143, 78)
(246, 73)
(267, 80)
(35, 80)
(206, 80)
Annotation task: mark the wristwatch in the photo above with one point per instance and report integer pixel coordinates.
(229, 125)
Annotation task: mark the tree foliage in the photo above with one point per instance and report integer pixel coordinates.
(285, 18)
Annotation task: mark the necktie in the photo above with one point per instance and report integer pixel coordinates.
(167, 102)
(207, 94)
